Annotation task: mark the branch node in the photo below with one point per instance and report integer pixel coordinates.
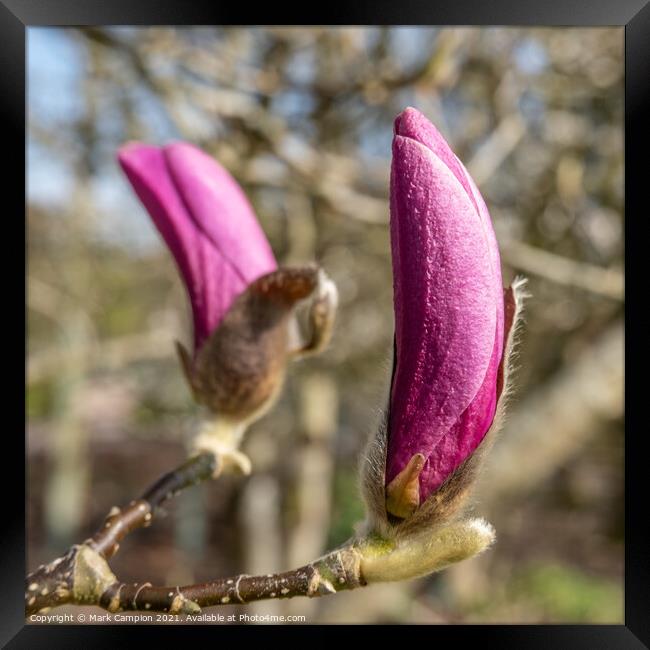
(91, 575)
(183, 605)
(221, 438)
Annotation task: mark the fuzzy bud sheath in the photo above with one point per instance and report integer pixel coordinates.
(453, 338)
(242, 303)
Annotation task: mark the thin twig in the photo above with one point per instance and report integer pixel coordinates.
(334, 572)
(58, 582)
(82, 576)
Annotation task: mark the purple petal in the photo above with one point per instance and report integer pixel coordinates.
(412, 124)
(206, 222)
(448, 306)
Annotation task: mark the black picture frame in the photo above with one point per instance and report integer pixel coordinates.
(634, 15)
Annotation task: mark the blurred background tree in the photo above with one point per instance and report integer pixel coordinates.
(302, 117)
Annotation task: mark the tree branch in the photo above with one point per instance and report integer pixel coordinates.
(76, 576)
(83, 577)
(334, 572)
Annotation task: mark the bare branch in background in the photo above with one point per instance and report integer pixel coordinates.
(108, 354)
(595, 280)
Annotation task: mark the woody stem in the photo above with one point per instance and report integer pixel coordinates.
(53, 584)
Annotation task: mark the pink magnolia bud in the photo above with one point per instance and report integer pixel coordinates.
(242, 303)
(449, 316)
(207, 223)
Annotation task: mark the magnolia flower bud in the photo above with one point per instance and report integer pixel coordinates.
(452, 336)
(242, 303)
